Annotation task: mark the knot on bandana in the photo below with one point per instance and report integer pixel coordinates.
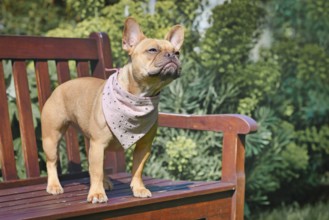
(129, 117)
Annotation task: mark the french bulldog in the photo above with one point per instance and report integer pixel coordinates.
(114, 113)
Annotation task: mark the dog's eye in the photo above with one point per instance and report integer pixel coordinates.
(153, 50)
(177, 53)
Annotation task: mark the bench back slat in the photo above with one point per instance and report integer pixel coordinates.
(63, 71)
(23, 101)
(105, 58)
(82, 68)
(43, 81)
(7, 157)
(72, 150)
(71, 136)
(83, 71)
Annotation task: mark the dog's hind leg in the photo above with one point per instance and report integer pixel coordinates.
(53, 127)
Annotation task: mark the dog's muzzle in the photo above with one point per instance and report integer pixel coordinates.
(169, 68)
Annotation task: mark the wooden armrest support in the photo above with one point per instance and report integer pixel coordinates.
(234, 127)
(231, 123)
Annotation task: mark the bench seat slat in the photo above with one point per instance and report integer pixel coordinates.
(7, 157)
(76, 195)
(29, 146)
(36, 203)
(69, 179)
(77, 188)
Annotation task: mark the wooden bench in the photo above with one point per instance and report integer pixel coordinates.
(27, 198)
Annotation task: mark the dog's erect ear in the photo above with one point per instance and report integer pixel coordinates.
(176, 36)
(132, 34)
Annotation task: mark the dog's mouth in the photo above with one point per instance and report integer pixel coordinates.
(168, 70)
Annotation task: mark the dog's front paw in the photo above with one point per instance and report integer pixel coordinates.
(98, 197)
(55, 189)
(141, 192)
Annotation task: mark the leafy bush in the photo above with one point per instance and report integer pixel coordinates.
(318, 211)
(29, 17)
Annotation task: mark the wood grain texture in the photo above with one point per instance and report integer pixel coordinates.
(196, 199)
(115, 161)
(233, 170)
(43, 81)
(82, 68)
(233, 156)
(104, 55)
(23, 101)
(50, 48)
(63, 71)
(7, 157)
(71, 135)
(232, 123)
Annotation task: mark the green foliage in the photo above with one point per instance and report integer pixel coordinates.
(110, 19)
(301, 98)
(316, 139)
(265, 70)
(197, 92)
(83, 9)
(227, 43)
(269, 160)
(304, 21)
(181, 150)
(176, 155)
(28, 17)
(317, 211)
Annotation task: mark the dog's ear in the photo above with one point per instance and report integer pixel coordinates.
(132, 35)
(176, 36)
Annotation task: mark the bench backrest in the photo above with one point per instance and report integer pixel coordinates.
(91, 56)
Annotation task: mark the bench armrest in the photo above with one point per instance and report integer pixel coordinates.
(234, 127)
(231, 123)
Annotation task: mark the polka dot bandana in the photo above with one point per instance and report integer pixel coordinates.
(128, 116)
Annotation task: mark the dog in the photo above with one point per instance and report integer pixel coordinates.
(114, 113)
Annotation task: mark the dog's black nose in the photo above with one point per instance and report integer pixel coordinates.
(170, 55)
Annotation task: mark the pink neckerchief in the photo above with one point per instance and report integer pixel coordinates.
(129, 117)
